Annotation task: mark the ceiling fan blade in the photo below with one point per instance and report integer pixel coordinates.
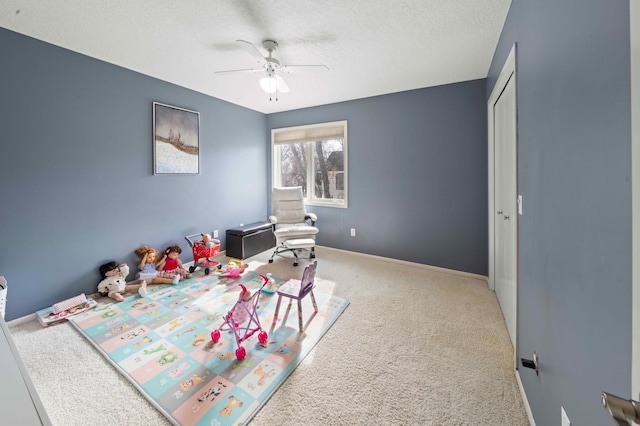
(239, 71)
(282, 86)
(253, 51)
(294, 68)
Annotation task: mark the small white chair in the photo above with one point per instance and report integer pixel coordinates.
(293, 227)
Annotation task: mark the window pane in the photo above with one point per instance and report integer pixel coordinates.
(328, 162)
(340, 181)
(313, 157)
(293, 168)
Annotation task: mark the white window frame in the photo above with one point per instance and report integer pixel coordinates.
(309, 133)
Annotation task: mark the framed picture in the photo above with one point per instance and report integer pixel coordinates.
(176, 140)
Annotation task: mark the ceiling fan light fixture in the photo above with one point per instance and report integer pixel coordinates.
(269, 84)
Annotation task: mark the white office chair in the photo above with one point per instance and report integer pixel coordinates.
(293, 227)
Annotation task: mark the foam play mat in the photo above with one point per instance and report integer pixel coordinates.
(162, 344)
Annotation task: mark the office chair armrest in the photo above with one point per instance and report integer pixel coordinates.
(273, 219)
(312, 217)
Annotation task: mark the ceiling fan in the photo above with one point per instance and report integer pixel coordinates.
(272, 81)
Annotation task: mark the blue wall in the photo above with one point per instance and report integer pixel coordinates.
(77, 187)
(417, 165)
(76, 179)
(574, 172)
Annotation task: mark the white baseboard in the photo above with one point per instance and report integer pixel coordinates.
(22, 320)
(223, 253)
(413, 264)
(525, 400)
(95, 296)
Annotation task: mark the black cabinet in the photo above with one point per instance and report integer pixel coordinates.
(248, 240)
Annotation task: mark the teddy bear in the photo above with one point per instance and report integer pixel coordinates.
(114, 281)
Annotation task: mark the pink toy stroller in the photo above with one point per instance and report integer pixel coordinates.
(243, 320)
(202, 254)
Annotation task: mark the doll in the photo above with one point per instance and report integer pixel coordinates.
(147, 267)
(240, 312)
(233, 269)
(170, 265)
(114, 281)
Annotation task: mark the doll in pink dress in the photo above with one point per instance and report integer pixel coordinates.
(170, 265)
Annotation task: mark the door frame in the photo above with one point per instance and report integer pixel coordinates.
(508, 71)
(634, 18)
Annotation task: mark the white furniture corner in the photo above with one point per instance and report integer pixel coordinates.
(18, 397)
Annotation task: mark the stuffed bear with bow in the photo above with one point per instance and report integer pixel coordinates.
(114, 281)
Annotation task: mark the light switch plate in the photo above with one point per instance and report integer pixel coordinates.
(520, 205)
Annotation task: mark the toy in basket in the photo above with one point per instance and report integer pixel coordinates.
(203, 250)
(243, 320)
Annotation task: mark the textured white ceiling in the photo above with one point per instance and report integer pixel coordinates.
(372, 47)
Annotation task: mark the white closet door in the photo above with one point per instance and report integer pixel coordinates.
(505, 191)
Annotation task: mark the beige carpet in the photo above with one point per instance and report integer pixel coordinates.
(414, 347)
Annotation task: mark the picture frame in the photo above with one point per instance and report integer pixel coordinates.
(176, 140)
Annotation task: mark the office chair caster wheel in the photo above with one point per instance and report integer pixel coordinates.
(295, 263)
(215, 336)
(241, 353)
(312, 256)
(270, 260)
(192, 268)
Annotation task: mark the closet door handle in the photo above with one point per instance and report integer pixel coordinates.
(621, 410)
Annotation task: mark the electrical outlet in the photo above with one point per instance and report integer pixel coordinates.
(353, 232)
(215, 233)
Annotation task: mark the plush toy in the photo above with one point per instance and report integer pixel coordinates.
(114, 281)
(207, 241)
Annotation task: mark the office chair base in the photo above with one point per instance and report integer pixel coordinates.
(295, 250)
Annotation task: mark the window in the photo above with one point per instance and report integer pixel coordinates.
(315, 158)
